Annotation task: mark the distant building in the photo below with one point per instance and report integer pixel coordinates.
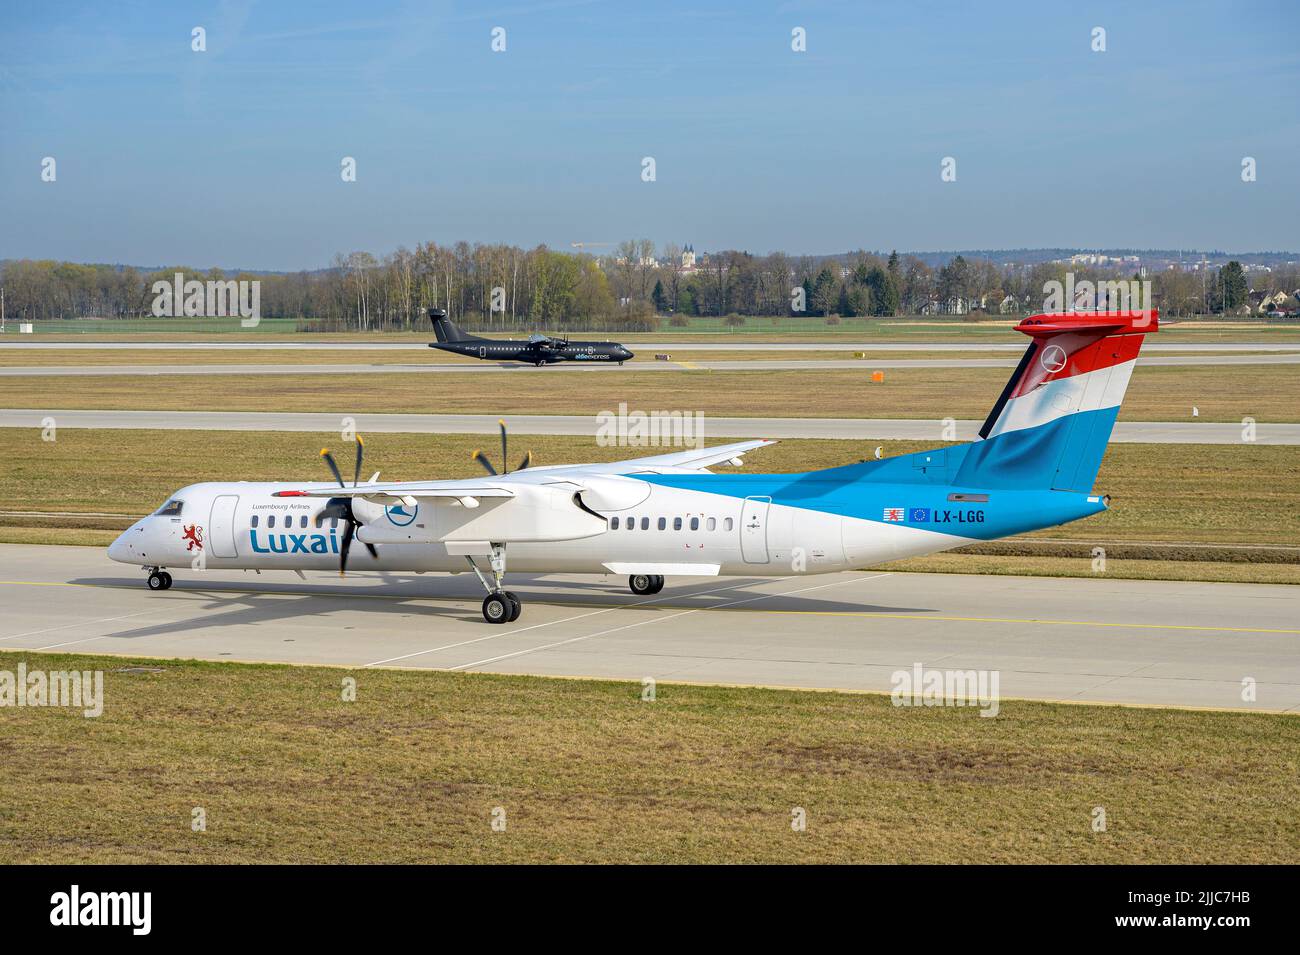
(688, 257)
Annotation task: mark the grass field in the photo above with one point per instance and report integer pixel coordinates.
(407, 356)
(1226, 494)
(1155, 394)
(36, 358)
(701, 328)
(585, 771)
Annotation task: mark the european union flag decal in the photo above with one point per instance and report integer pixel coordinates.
(918, 515)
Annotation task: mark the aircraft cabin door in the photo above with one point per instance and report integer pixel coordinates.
(482, 351)
(753, 529)
(221, 526)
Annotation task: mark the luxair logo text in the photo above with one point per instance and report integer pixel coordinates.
(103, 908)
(211, 299)
(296, 543)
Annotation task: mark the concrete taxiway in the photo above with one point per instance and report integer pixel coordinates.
(854, 429)
(1114, 641)
(491, 367)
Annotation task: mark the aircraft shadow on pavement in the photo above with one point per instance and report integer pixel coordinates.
(235, 604)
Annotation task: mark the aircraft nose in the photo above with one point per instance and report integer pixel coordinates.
(125, 549)
(626, 354)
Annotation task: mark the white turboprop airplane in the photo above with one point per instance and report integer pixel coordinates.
(667, 515)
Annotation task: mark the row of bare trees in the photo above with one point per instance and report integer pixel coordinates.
(506, 287)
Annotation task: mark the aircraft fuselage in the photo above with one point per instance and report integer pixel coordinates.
(524, 351)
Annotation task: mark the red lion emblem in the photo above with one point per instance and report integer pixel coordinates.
(194, 534)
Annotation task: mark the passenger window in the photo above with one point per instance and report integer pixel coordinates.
(253, 520)
(303, 521)
(613, 523)
(320, 520)
(712, 524)
(334, 522)
(631, 523)
(726, 524)
(270, 521)
(695, 523)
(677, 523)
(663, 522)
(171, 509)
(645, 523)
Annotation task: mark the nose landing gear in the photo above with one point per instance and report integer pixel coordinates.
(645, 584)
(499, 606)
(159, 579)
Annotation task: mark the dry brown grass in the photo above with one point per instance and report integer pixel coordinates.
(38, 358)
(587, 772)
(1156, 393)
(1226, 494)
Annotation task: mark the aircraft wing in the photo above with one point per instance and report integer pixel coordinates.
(408, 492)
(526, 512)
(702, 457)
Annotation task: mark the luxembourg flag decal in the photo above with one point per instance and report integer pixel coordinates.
(893, 513)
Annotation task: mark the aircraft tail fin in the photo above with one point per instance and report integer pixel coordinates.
(446, 329)
(1050, 426)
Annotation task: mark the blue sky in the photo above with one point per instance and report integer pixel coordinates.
(232, 156)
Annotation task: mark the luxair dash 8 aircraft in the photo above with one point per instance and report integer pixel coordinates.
(1033, 466)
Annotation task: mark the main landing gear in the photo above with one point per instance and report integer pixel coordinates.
(159, 579)
(645, 584)
(499, 606)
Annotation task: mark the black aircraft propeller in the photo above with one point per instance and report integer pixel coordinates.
(341, 507)
(482, 458)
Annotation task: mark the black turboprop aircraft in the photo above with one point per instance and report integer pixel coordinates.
(536, 349)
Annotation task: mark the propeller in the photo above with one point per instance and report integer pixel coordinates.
(483, 459)
(341, 507)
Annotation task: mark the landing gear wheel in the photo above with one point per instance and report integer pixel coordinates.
(160, 580)
(516, 605)
(497, 608)
(644, 584)
(167, 580)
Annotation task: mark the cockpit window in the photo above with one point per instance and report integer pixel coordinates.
(171, 509)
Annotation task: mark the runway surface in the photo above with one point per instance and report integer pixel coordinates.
(643, 347)
(492, 367)
(856, 429)
(1116, 641)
